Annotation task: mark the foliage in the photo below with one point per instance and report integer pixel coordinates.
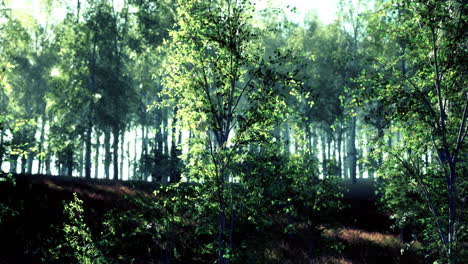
(252, 117)
(421, 94)
(5, 210)
(283, 193)
(136, 233)
(221, 84)
(79, 242)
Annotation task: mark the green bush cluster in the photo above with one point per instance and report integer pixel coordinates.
(275, 196)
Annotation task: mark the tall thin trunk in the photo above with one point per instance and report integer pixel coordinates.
(144, 153)
(129, 175)
(308, 140)
(222, 230)
(81, 160)
(371, 168)
(159, 137)
(88, 151)
(29, 164)
(340, 138)
(107, 154)
(286, 141)
(190, 136)
(78, 8)
(380, 133)
(426, 158)
(122, 152)
(41, 145)
(345, 155)
(175, 175)
(360, 164)
(165, 134)
(335, 158)
(88, 147)
(2, 135)
(115, 147)
(324, 154)
(334, 149)
(135, 155)
(352, 150)
(96, 157)
(69, 165)
(47, 164)
(313, 138)
(354, 72)
(23, 165)
(118, 55)
(179, 138)
(14, 163)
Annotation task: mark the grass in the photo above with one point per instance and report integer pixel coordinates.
(362, 237)
(331, 260)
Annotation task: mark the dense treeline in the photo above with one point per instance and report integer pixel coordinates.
(255, 109)
(96, 95)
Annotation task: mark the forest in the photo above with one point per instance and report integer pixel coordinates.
(233, 131)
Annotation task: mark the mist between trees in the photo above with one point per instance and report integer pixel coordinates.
(216, 92)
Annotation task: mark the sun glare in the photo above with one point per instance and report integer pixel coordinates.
(55, 72)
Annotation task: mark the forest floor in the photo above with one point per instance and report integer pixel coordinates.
(364, 232)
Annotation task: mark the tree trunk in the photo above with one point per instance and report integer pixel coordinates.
(340, 138)
(14, 163)
(96, 157)
(380, 134)
(81, 160)
(371, 168)
(345, 155)
(324, 154)
(360, 164)
(122, 152)
(2, 135)
(335, 157)
(165, 134)
(286, 142)
(139, 159)
(129, 171)
(309, 139)
(314, 140)
(135, 155)
(107, 154)
(88, 151)
(23, 165)
(41, 145)
(69, 165)
(158, 141)
(352, 150)
(452, 195)
(175, 174)
(30, 162)
(47, 164)
(221, 217)
(115, 147)
(221, 235)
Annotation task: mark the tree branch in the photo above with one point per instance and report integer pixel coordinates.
(461, 132)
